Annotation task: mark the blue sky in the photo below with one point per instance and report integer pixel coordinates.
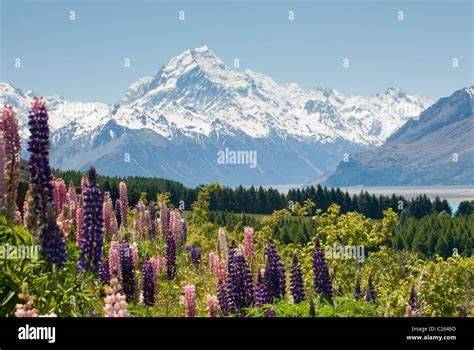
(83, 59)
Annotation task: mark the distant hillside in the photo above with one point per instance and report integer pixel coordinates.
(436, 149)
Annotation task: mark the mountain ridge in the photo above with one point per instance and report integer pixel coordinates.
(197, 102)
(435, 149)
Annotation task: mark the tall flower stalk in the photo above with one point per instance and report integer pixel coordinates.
(170, 256)
(115, 304)
(127, 274)
(107, 211)
(296, 281)
(189, 292)
(92, 229)
(222, 297)
(322, 281)
(114, 259)
(164, 219)
(60, 196)
(148, 283)
(2, 174)
(11, 166)
(123, 203)
(262, 296)
(54, 248)
(249, 248)
(239, 281)
(212, 305)
(275, 272)
(369, 290)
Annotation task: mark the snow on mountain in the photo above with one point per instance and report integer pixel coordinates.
(434, 149)
(61, 111)
(198, 94)
(196, 105)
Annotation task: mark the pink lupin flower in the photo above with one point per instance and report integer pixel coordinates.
(249, 248)
(72, 199)
(136, 229)
(115, 304)
(10, 159)
(212, 305)
(212, 261)
(134, 250)
(143, 222)
(160, 262)
(2, 173)
(176, 226)
(124, 203)
(114, 259)
(79, 224)
(59, 195)
(113, 225)
(223, 251)
(18, 220)
(64, 222)
(107, 210)
(218, 267)
(26, 309)
(189, 292)
(83, 183)
(164, 219)
(154, 265)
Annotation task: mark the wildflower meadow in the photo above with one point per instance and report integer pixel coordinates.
(98, 256)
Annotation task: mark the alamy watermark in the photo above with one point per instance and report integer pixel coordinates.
(232, 157)
(22, 252)
(345, 252)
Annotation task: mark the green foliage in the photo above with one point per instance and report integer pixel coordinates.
(343, 306)
(53, 290)
(398, 255)
(265, 201)
(436, 234)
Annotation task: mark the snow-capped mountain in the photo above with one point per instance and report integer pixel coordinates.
(61, 111)
(174, 123)
(435, 149)
(198, 94)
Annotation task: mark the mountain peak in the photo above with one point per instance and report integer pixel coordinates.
(395, 91)
(203, 48)
(200, 57)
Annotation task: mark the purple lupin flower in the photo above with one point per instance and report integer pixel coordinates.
(164, 219)
(261, 293)
(148, 283)
(369, 290)
(275, 272)
(104, 272)
(249, 293)
(93, 227)
(152, 211)
(196, 255)
(11, 162)
(54, 247)
(128, 276)
(223, 298)
(239, 281)
(233, 283)
(296, 281)
(357, 292)
(118, 211)
(322, 281)
(170, 256)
